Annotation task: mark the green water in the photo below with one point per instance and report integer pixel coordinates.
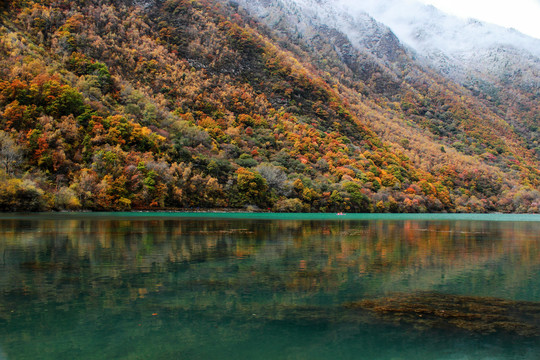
(256, 286)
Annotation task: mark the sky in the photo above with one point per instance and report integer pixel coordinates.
(522, 15)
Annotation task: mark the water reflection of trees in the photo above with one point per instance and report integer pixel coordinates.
(267, 261)
(81, 283)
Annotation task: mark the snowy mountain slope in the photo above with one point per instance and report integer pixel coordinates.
(309, 17)
(364, 45)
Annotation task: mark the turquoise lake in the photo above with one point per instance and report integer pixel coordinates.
(269, 286)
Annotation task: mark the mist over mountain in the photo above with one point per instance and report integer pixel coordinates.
(457, 47)
(287, 105)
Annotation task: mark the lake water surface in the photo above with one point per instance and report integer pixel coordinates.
(269, 286)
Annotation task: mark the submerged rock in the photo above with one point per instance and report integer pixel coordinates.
(482, 315)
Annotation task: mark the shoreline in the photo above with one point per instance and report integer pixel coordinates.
(242, 215)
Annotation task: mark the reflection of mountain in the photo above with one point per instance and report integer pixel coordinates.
(282, 257)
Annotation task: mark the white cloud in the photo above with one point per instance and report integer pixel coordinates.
(522, 15)
(424, 27)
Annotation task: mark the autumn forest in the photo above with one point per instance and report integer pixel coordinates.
(118, 105)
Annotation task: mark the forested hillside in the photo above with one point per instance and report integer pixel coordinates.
(184, 104)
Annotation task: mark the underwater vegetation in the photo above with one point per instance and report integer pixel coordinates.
(483, 315)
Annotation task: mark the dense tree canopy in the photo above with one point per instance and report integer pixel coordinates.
(115, 105)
